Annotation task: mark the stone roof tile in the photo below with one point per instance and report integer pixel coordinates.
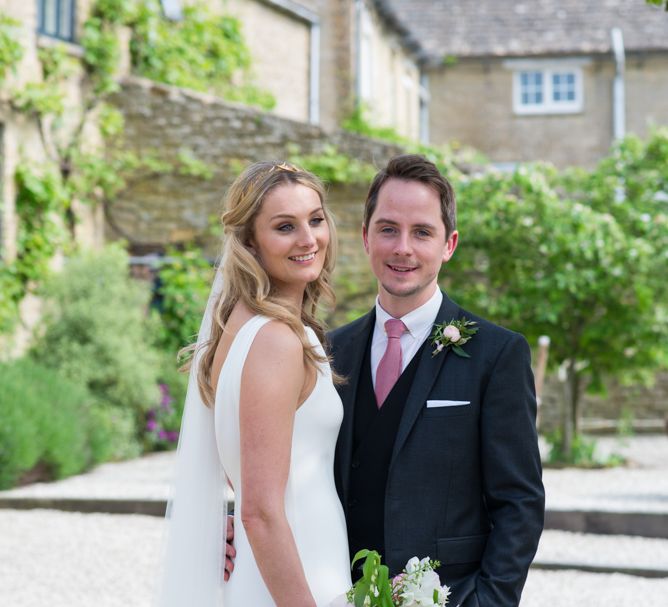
(478, 28)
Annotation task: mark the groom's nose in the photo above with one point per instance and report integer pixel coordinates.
(402, 245)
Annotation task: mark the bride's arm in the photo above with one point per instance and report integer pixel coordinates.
(271, 384)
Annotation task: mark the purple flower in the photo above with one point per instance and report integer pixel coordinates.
(162, 435)
(173, 436)
(165, 397)
(151, 425)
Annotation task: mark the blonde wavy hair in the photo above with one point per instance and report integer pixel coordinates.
(244, 278)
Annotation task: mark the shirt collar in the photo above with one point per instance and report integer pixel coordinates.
(417, 321)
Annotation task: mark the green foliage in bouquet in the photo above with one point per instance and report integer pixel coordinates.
(97, 333)
(373, 589)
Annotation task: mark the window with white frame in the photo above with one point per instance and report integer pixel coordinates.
(547, 90)
(56, 18)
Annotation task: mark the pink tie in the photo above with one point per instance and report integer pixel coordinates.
(389, 367)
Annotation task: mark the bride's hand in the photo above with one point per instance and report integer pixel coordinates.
(230, 552)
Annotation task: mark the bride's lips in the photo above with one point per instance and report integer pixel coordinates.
(303, 258)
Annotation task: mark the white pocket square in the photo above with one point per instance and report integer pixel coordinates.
(446, 403)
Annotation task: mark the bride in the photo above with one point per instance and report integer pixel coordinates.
(262, 414)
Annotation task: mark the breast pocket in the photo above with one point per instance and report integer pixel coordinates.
(448, 408)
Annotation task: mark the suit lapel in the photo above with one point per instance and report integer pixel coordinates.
(351, 358)
(428, 369)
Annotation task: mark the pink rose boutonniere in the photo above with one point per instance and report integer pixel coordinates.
(453, 334)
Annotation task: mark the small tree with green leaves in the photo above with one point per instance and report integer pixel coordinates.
(579, 257)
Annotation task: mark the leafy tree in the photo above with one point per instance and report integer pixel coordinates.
(580, 257)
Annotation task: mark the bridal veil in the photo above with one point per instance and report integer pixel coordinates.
(194, 559)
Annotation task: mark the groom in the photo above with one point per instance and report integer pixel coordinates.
(437, 454)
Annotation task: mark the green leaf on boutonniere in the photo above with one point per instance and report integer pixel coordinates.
(453, 334)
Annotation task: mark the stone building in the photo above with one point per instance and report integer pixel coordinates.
(39, 25)
(321, 57)
(555, 80)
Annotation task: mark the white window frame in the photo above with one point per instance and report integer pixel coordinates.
(366, 57)
(548, 70)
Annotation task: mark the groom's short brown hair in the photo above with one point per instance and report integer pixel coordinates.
(415, 167)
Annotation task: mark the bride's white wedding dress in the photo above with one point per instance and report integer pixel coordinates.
(311, 502)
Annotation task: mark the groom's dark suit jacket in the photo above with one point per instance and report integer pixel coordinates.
(462, 481)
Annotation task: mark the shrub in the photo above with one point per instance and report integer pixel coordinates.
(46, 421)
(184, 285)
(96, 332)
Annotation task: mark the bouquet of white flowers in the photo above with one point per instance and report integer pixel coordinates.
(417, 585)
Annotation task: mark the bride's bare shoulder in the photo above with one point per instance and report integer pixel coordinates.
(276, 339)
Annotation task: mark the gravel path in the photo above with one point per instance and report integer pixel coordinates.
(65, 559)
(605, 550)
(642, 486)
(576, 589)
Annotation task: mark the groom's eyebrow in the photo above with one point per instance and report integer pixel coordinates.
(419, 226)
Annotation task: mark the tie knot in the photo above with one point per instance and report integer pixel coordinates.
(394, 328)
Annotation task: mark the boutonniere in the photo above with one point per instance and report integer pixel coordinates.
(453, 334)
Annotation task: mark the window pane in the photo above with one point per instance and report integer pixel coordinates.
(57, 18)
(531, 88)
(65, 30)
(49, 17)
(563, 86)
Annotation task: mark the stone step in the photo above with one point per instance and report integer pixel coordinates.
(629, 555)
(644, 524)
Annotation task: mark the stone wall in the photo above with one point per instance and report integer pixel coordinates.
(159, 210)
(646, 92)
(472, 102)
(637, 402)
(279, 45)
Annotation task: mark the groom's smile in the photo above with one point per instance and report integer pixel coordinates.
(406, 244)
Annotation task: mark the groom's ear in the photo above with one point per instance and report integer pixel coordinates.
(365, 238)
(450, 246)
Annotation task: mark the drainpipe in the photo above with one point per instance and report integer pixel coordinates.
(424, 108)
(618, 93)
(359, 8)
(314, 75)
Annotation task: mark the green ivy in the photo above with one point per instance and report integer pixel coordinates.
(358, 122)
(11, 51)
(202, 51)
(333, 166)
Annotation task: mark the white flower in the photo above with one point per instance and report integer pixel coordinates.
(452, 333)
(443, 594)
(412, 565)
(440, 346)
(420, 592)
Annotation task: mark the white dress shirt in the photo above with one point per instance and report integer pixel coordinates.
(419, 323)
